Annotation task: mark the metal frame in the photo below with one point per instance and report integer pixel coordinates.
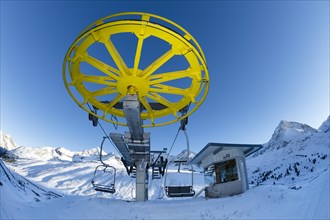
(179, 191)
(103, 187)
(158, 164)
(117, 78)
(133, 93)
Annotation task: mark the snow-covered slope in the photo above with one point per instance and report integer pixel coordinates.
(16, 190)
(74, 178)
(289, 179)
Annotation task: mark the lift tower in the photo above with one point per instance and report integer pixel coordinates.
(138, 70)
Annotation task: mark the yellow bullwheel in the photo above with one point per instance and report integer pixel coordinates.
(136, 54)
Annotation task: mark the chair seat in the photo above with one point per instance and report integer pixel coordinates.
(103, 188)
(179, 191)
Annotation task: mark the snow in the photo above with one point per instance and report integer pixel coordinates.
(90, 155)
(41, 153)
(60, 153)
(6, 143)
(325, 127)
(289, 179)
(16, 193)
(183, 155)
(295, 152)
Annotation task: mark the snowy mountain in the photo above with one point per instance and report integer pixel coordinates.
(89, 155)
(295, 153)
(6, 143)
(181, 156)
(325, 127)
(285, 133)
(42, 153)
(60, 153)
(289, 179)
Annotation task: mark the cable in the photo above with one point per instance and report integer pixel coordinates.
(187, 140)
(114, 146)
(182, 127)
(176, 136)
(105, 133)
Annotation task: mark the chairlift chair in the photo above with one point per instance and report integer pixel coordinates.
(104, 177)
(179, 190)
(102, 182)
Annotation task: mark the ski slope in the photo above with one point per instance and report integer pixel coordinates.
(289, 179)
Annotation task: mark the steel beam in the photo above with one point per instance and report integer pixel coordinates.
(138, 144)
(141, 181)
(132, 112)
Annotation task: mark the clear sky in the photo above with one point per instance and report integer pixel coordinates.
(268, 61)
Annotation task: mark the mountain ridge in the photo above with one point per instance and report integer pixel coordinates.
(285, 132)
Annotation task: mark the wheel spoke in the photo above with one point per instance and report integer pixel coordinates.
(112, 103)
(105, 68)
(105, 91)
(104, 80)
(160, 99)
(169, 76)
(168, 89)
(116, 56)
(146, 104)
(157, 63)
(97, 69)
(137, 55)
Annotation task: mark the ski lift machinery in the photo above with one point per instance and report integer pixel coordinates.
(165, 72)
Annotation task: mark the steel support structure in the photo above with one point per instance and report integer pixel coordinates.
(138, 91)
(137, 144)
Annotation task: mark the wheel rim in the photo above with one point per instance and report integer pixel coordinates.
(104, 84)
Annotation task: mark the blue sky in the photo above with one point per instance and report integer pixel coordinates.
(268, 61)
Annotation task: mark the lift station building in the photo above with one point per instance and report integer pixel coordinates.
(224, 166)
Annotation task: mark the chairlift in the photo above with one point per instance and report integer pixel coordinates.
(180, 190)
(104, 177)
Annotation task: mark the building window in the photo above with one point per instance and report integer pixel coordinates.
(226, 171)
(209, 175)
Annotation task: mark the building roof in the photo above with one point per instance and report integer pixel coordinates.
(214, 148)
